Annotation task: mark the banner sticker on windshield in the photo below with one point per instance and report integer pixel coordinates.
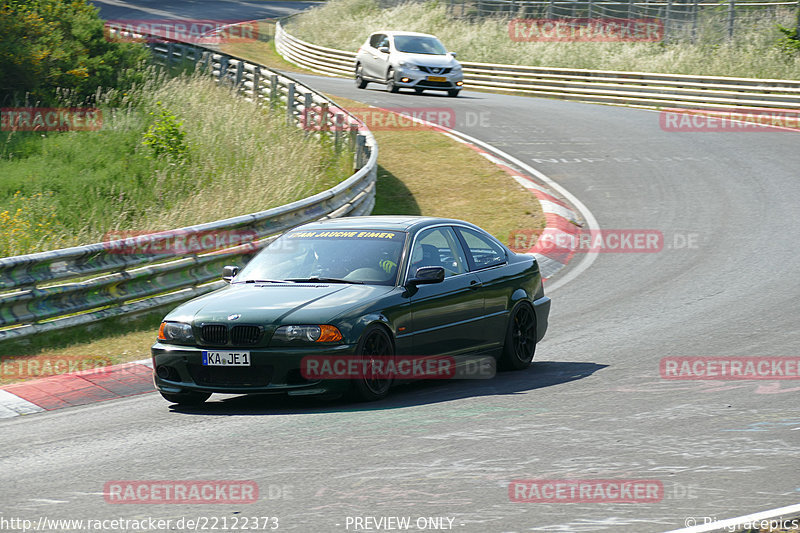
(346, 234)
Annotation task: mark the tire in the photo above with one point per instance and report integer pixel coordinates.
(418, 91)
(186, 398)
(453, 92)
(520, 344)
(374, 342)
(390, 86)
(360, 82)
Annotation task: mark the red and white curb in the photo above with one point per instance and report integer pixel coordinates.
(560, 218)
(77, 388)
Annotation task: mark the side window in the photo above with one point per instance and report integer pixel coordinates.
(482, 251)
(378, 40)
(438, 247)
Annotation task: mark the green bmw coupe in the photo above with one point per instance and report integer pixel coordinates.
(377, 288)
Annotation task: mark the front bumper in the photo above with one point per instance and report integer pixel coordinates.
(178, 369)
(420, 80)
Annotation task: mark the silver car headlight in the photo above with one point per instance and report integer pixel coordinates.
(409, 66)
(457, 68)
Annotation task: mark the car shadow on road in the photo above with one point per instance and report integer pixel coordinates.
(431, 93)
(540, 375)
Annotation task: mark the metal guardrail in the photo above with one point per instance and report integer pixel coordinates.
(74, 286)
(603, 86)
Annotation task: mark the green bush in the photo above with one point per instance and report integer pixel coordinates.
(165, 136)
(790, 42)
(47, 45)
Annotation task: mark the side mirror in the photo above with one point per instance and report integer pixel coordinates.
(431, 274)
(229, 272)
(384, 49)
(453, 54)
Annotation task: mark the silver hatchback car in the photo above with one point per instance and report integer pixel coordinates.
(407, 59)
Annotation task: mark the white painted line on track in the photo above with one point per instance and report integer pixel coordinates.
(588, 258)
(12, 405)
(560, 210)
(734, 524)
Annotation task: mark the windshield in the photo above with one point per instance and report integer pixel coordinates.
(357, 256)
(413, 44)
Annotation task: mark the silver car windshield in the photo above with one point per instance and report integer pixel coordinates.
(356, 256)
(413, 44)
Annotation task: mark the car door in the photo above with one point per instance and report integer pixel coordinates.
(488, 260)
(446, 315)
(374, 63)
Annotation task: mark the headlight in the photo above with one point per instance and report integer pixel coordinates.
(323, 333)
(456, 68)
(175, 332)
(410, 66)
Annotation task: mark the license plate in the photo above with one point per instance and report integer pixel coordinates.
(437, 78)
(226, 358)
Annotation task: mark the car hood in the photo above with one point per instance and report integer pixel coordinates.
(428, 60)
(274, 304)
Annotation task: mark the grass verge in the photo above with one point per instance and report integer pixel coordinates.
(176, 152)
(421, 172)
(755, 51)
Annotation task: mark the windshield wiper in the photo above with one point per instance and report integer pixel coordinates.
(266, 281)
(325, 280)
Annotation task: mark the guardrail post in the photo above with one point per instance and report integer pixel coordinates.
(731, 17)
(668, 22)
(239, 72)
(290, 102)
(797, 29)
(178, 49)
(351, 138)
(273, 90)
(323, 117)
(223, 68)
(307, 120)
(338, 126)
(256, 84)
(170, 48)
(361, 144)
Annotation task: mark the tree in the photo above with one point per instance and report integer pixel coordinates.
(49, 44)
